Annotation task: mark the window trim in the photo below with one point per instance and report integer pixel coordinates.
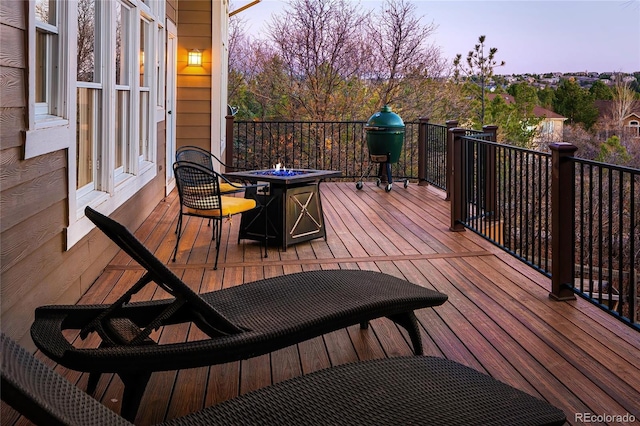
(115, 189)
(52, 133)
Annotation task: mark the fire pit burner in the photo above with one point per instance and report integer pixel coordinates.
(281, 172)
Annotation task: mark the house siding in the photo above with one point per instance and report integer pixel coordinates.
(172, 10)
(194, 84)
(35, 268)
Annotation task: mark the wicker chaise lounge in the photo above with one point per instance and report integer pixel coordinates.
(386, 392)
(241, 322)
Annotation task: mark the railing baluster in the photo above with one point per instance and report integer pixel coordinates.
(600, 202)
(610, 238)
(634, 223)
(582, 230)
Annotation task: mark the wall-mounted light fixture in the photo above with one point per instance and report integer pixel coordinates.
(195, 58)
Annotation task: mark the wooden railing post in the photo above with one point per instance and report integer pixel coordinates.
(457, 178)
(490, 176)
(422, 151)
(228, 155)
(449, 166)
(562, 220)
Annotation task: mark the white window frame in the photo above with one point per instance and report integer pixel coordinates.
(161, 61)
(47, 133)
(113, 188)
(97, 181)
(634, 127)
(144, 152)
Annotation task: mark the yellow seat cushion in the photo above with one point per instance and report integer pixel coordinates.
(230, 206)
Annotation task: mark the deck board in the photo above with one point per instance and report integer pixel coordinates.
(498, 320)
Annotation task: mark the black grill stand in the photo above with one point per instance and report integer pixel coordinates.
(385, 166)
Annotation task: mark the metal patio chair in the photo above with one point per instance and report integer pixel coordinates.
(195, 154)
(200, 195)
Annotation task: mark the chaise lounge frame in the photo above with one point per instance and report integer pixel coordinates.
(241, 322)
(384, 392)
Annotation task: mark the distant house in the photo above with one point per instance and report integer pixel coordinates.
(609, 124)
(550, 128)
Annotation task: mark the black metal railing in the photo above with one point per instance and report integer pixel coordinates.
(607, 236)
(435, 155)
(506, 198)
(335, 145)
(505, 194)
(583, 236)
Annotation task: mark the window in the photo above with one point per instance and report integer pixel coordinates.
(46, 59)
(105, 113)
(160, 60)
(116, 50)
(146, 73)
(124, 64)
(634, 127)
(48, 128)
(89, 98)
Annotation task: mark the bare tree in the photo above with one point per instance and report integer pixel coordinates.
(399, 50)
(623, 103)
(328, 59)
(86, 40)
(239, 49)
(319, 42)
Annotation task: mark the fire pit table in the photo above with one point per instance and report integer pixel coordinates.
(291, 208)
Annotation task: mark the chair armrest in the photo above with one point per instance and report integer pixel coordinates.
(242, 187)
(229, 167)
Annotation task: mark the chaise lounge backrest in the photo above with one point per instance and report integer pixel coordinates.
(210, 320)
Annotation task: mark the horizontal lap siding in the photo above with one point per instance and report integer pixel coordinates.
(172, 10)
(194, 84)
(35, 267)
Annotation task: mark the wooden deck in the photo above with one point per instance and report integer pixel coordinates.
(498, 320)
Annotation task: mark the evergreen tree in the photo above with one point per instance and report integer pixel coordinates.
(516, 123)
(601, 91)
(575, 103)
(613, 152)
(479, 66)
(546, 97)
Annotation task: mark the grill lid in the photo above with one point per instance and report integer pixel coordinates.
(385, 119)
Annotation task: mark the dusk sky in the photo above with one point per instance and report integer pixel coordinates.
(531, 36)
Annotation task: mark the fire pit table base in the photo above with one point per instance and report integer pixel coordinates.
(290, 210)
(293, 215)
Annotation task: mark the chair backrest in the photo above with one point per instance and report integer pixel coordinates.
(45, 397)
(195, 154)
(198, 155)
(198, 186)
(206, 316)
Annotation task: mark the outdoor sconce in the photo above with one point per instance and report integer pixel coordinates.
(195, 58)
